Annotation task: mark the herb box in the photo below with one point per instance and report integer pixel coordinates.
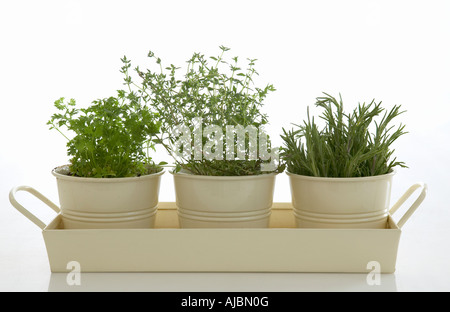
(167, 248)
(279, 248)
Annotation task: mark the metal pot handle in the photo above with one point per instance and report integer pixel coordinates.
(24, 211)
(414, 206)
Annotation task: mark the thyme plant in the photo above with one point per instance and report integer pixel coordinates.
(349, 145)
(212, 92)
(112, 138)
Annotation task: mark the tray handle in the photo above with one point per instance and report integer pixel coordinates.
(24, 211)
(414, 206)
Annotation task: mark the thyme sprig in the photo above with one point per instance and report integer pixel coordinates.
(214, 89)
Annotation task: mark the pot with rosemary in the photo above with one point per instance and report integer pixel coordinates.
(341, 174)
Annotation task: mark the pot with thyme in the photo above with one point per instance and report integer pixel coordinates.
(111, 181)
(341, 174)
(213, 127)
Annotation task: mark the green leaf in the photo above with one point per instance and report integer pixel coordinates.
(345, 147)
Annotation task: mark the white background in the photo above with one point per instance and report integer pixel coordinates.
(397, 52)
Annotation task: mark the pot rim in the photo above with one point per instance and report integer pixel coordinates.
(339, 179)
(227, 178)
(103, 180)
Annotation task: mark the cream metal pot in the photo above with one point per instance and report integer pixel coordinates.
(107, 202)
(360, 202)
(225, 201)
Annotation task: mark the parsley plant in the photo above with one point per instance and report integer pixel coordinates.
(112, 137)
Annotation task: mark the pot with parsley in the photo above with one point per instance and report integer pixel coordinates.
(111, 180)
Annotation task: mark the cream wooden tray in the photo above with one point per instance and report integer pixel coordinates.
(167, 248)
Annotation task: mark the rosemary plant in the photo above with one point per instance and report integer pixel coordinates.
(206, 95)
(349, 145)
(112, 137)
